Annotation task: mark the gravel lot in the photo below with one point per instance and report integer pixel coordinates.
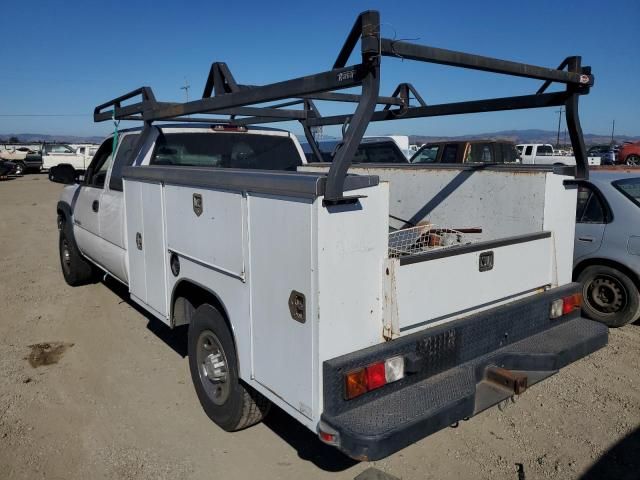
(90, 387)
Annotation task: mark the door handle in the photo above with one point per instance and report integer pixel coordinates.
(95, 205)
(586, 239)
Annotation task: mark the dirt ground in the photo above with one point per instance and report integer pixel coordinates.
(92, 388)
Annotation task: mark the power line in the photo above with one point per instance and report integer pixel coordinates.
(45, 114)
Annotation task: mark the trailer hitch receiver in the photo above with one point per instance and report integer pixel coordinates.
(507, 379)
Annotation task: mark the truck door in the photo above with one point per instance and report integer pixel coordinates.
(591, 219)
(86, 220)
(112, 225)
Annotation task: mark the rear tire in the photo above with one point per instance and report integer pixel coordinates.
(610, 296)
(75, 269)
(213, 361)
(633, 160)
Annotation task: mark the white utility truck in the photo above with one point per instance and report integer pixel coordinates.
(373, 312)
(544, 154)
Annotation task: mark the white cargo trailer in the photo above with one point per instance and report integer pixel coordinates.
(374, 305)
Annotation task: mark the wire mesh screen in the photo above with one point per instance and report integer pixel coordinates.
(423, 238)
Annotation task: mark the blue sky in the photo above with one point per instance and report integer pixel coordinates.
(64, 57)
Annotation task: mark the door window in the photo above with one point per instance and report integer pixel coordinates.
(427, 154)
(590, 208)
(59, 149)
(97, 171)
(124, 158)
(528, 150)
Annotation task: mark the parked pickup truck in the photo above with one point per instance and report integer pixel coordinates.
(544, 154)
(293, 287)
(57, 153)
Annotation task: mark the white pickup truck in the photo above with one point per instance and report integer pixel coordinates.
(544, 154)
(58, 153)
(296, 290)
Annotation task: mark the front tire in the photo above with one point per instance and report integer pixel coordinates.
(75, 269)
(213, 361)
(610, 296)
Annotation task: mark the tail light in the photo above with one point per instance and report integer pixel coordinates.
(373, 376)
(566, 305)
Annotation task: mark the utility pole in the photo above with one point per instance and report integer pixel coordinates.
(559, 112)
(186, 88)
(613, 128)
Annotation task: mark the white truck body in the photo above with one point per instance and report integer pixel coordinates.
(544, 154)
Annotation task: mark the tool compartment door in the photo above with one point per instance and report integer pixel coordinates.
(145, 240)
(450, 283)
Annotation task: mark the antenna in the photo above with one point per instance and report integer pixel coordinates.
(186, 88)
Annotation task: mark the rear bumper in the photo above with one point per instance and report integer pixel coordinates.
(442, 394)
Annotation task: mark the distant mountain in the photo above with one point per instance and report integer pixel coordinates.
(517, 136)
(527, 136)
(41, 137)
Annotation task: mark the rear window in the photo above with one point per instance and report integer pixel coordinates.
(630, 188)
(379, 153)
(226, 150)
(544, 150)
(480, 153)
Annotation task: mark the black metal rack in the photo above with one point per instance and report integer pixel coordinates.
(244, 104)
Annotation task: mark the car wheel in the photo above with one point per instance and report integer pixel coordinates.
(75, 269)
(20, 168)
(213, 361)
(610, 296)
(633, 160)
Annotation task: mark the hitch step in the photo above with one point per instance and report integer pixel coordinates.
(512, 381)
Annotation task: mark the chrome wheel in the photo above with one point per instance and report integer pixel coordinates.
(606, 294)
(212, 367)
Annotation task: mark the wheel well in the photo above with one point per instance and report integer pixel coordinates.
(187, 296)
(608, 263)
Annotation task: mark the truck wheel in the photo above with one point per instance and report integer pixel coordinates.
(20, 168)
(633, 160)
(213, 363)
(75, 269)
(610, 296)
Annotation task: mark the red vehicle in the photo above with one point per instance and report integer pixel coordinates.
(629, 154)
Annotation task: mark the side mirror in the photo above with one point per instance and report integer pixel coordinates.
(63, 173)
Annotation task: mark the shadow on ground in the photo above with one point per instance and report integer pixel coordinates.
(305, 442)
(176, 338)
(622, 461)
